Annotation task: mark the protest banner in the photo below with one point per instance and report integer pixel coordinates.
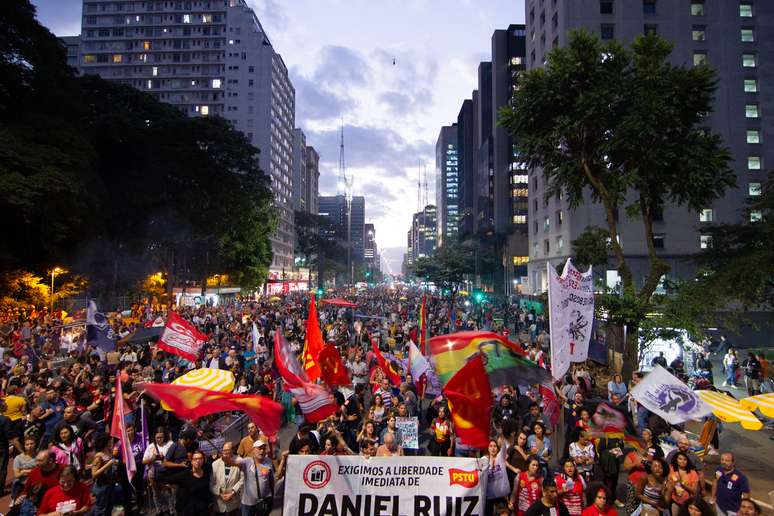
(420, 486)
(409, 430)
(670, 398)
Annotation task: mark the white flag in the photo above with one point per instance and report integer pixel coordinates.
(571, 312)
(419, 364)
(666, 396)
(256, 336)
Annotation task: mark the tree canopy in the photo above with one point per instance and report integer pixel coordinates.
(114, 184)
(625, 128)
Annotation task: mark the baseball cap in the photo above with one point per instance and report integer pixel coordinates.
(259, 442)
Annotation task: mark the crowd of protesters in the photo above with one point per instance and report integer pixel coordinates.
(58, 395)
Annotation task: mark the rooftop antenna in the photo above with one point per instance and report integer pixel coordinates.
(345, 182)
(424, 165)
(419, 185)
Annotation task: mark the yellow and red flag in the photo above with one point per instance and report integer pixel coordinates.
(192, 403)
(313, 343)
(470, 403)
(332, 367)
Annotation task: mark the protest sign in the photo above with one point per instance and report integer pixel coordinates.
(571, 305)
(420, 486)
(409, 430)
(670, 398)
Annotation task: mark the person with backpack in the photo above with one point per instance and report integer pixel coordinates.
(752, 374)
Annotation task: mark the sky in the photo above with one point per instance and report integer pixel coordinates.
(340, 55)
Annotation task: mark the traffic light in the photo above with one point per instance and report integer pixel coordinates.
(479, 297)
(368, 274)
(319, 292)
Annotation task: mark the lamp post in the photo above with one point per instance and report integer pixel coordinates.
(54, 272)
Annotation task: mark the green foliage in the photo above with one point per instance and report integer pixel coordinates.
(446, 268)
(116, 185)
(592, 247)
(624, 125)
(739, 264)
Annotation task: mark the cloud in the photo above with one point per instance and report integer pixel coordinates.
(316, 103)
(271, 14)
(341, 67)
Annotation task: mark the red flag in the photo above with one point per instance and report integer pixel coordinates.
(331, 366)
(313, 343)
(551, 405)
(385, 366)
(192, 403)
(180, 337)
(470, 403)
(315, 401)
(118, 429)
(422, 326)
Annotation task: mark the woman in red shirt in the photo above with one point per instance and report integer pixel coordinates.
(570, 485)
(70, 496)
(442, 433)
(528, 488)
(599, 506)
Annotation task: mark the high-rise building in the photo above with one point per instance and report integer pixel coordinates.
(422, 235)
(206, 58)
(300, 190)
(447, 185)
(334, 208)
(510, 179)
(467, 158)
(728, 35)
(484, 223)
(312, 179)
(73, 46)
(371, 255)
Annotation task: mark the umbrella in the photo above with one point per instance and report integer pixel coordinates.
(274, 299)
(729, 410)
(335, 301)
(205, 378)
(762, 402)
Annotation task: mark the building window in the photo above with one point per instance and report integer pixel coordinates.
(605, 6)
(699, 33)
(756, 215)
(546, 224)
(559, 244)
(216, 83)
(650, 28)
(699, 58)
(520, 260)
(519, 219)
(751, 85)
(535, 248)
(658, 240)
(534, 226)
(697, 8)
(751, 111)
(753, 136)
(607, 31)
(118, 58)
(745, 10)
(705, 241)
(546, 246)
(754, 162)
(707, 215)
(748, 35)
(559, 217)
(749, 61)
(89, 58)
(649, 6)
(754, 189)
(186, 18)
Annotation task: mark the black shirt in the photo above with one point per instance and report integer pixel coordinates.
(538, 509)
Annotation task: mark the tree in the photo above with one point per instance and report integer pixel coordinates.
(739, 262)
(446, 268)
(316, 242)
(625, 129)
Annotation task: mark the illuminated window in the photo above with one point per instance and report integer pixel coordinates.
(754, 162)
(216, 83)
(754, 189)
(697, 8)
(155, 71)
(206, 18)
(705, 241)
(146, 45)
(753, 136)
(559, 243)
(149, 84)
(89, 58)
(699, 58)
(706, 215)
(745, 10)
(698, 33)
(118, 58)
(520, 260)
(748, 35)
(515, 61)
(756, 215)
(749, 61)
(186, 18)
(751, 85)
(751, 111)
(205, 110)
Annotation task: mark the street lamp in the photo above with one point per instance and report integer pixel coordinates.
(54, 272)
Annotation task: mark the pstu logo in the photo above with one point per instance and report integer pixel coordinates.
(317, 474)
(463, 478)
